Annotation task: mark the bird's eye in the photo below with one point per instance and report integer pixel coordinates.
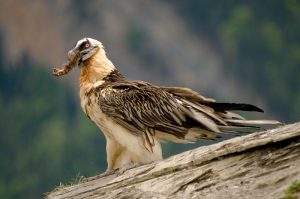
(86, 45)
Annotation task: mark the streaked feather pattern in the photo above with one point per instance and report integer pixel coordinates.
(145, 109)
(135, 115)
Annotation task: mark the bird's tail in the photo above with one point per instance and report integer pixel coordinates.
(233, 127)
(213, 118)
(235, 123)
(237, 126)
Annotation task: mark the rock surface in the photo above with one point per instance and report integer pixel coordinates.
(258, 165)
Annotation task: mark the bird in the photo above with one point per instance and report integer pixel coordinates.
(135, 116)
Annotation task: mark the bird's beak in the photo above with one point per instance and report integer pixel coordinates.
(73, 56)
(73, 53)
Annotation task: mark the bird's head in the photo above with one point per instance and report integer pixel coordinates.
(83, 52)
(85, 49)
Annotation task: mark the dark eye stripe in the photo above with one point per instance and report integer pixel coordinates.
(84, 45)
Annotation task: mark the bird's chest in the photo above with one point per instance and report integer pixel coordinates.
(91, 107)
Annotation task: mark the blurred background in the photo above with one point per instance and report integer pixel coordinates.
(234, 51)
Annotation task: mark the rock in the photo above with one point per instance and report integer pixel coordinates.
(258, 165)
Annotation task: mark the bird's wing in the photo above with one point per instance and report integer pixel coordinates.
(221, 111)
(139, 106)
(189, 94)
(143, 108)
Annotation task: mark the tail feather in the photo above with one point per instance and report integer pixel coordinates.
(234, 106)
(230, 115)
(195, 133)
(204, 118)
(252, 122)
(237, 127)
(207, 111)
(237, 132)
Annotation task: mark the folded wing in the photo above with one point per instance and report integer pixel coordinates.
(174, 113)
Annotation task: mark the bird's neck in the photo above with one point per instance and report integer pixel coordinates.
(95, 69)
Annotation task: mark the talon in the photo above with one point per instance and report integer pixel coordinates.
(108, 172)
(128, 167)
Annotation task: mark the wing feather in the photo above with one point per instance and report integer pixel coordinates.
(138, 106)
(180, 113)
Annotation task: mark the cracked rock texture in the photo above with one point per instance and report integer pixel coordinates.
(258, 165)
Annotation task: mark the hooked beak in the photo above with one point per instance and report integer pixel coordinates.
(73, 56)
(79, 56)
(71, 53)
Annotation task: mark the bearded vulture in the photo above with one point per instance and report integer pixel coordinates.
(135, 115)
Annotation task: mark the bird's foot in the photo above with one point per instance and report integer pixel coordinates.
(108, 172)
(120, 171)
(127, 167)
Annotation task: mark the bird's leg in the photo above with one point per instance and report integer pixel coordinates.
(113, 150)
(128, 166)
(120, 171)
(109, 172)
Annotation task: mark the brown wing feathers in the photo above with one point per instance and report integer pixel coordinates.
(143, 108)
(138, 106)
(220, 112)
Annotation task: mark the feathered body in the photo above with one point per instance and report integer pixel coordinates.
(135, 115)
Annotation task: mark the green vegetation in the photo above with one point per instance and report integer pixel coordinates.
(74, 181)
(260, 43)
(46, 139)
(292, 189)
